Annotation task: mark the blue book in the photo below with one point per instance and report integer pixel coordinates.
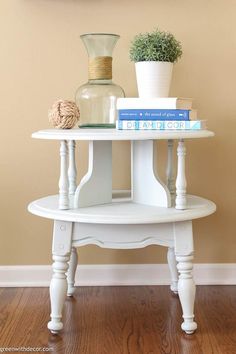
(156, 114)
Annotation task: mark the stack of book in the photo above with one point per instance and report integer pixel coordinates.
(167, 113)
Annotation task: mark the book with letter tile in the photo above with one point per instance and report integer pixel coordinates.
(160, 125)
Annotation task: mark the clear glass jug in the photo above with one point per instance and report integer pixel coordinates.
(97, 98)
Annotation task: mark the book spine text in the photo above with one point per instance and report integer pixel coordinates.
(153, 114)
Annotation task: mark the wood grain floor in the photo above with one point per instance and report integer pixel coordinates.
(120, 320)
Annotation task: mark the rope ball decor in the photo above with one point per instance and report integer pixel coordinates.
(64, 114)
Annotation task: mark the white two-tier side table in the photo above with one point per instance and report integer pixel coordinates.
(155, 213)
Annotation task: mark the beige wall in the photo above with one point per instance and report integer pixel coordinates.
(42, 59)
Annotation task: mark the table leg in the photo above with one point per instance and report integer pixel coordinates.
(71, 271)
(173, 269)
(186, 290)
(186, 286)
(58, 287)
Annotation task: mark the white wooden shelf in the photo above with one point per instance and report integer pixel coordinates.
(113, 134)
(122, 211)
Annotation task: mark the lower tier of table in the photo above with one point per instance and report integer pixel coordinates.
(122, 211)
(122, 224)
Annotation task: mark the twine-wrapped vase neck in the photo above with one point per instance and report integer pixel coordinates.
(100, 68)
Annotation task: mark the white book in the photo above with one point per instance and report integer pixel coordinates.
(154, 103)
(160, 124)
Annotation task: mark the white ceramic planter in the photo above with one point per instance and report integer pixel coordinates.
(153, 78)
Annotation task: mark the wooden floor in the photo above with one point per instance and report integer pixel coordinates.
(120, 320)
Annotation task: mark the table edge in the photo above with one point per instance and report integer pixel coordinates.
(65, 216)
(103, 134)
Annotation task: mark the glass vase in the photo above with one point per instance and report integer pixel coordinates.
(97, 98)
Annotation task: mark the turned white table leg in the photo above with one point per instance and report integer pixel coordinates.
(184, 249)
(169, 171)
(72, 173)
(58, 286)
(71, 272)
(171, 186)
(186, 290)
(173, 269)
(181, 184)
(63, 181)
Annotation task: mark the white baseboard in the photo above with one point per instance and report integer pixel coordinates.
(116, 274)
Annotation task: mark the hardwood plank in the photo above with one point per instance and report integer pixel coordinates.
(13, 304)
(31, 327)
(219, 321)
(120, 320)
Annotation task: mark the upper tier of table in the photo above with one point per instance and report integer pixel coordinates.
(113, 134)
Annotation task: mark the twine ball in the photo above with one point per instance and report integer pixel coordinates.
(64, 114)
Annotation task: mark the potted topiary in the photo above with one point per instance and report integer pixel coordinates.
(154, 54)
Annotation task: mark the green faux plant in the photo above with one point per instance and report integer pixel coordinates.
(155, 46)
